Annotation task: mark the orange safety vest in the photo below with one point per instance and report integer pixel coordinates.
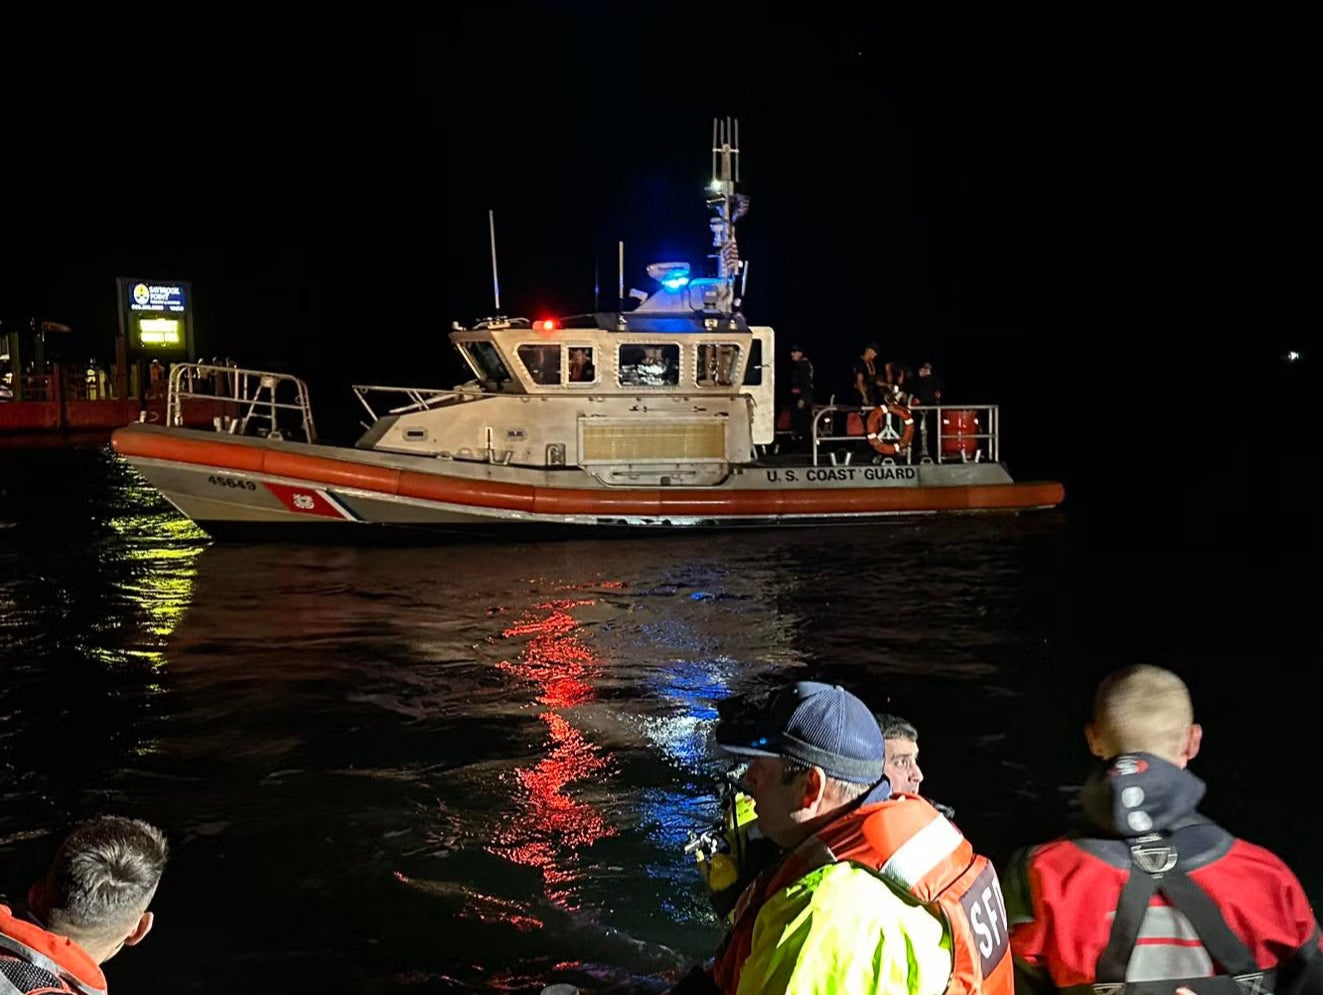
(68, 966)
(919, 853)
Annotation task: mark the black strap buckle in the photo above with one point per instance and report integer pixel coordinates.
(1154, 858)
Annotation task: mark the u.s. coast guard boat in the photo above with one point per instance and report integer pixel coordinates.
(659, 418)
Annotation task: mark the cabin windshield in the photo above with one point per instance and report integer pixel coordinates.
(486, 361)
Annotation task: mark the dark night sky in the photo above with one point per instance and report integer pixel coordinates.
(1063, 213)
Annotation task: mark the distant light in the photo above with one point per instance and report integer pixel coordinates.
(546, 325)
(715, 185)
(1292, 356)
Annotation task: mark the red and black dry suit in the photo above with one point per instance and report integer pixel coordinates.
(33, 959)
(1153, 898)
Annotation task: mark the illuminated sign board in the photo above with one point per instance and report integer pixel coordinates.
(156, 316)
(145, 296)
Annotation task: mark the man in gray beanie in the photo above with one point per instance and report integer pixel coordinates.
(871, 893)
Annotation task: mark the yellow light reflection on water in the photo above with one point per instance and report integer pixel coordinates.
(160, 551)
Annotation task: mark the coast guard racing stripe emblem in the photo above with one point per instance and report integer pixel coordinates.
(312, 501)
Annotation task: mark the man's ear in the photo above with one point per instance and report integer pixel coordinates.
(1095, 742)
(815, 783)
(144, 927)
(1194, 736)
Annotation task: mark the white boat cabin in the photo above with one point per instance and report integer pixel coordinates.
(668, 390)
(578, 356)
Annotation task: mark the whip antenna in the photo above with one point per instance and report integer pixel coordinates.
(496, 283)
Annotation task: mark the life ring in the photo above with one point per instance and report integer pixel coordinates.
(892, 444)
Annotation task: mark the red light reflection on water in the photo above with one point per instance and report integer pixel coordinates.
(554, 657)
(549, 826)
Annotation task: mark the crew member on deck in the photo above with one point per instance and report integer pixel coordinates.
(866, 377)
(801, 398)
(925, 392)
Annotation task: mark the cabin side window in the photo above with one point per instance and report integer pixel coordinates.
(542, 362)
(581, 368)
(649, 365)
(753, 369)
(718, 362)
(486, 362)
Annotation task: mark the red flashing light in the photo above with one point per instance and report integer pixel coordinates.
(546, 325)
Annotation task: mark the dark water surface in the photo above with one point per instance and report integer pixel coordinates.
(474, 768)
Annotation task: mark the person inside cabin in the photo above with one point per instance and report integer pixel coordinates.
(581, 365)
(542, 362)
(658, 367)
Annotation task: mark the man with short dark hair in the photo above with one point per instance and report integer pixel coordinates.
(91, 903)
(902, 757)
(1148, 894)
(902, 763)
(872, 894)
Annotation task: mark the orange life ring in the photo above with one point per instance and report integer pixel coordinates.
(890, 446)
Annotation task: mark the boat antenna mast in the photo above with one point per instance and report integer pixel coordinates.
(497, 320)
(728, 207)
(496, 283)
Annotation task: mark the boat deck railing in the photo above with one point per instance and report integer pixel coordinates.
(270, 405)
(416, 398)
(942, 433)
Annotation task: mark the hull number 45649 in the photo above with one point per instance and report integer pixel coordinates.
(243, 485)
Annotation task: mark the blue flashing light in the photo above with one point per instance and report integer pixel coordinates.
(671, 275)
